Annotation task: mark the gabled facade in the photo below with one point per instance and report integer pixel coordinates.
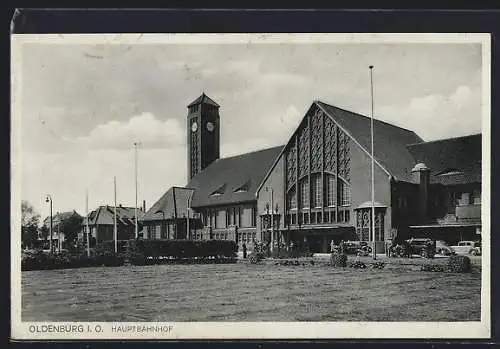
(58, 236)
(321, 182)
(317, 187)
(101, 224)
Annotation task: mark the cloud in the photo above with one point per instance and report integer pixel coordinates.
(437, 116)
(144, 128)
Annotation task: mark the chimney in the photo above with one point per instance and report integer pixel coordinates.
(144, 206)
(421, 178)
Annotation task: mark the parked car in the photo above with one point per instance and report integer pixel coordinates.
(354, 247)
(467, 247)
(443, 248)
(418, 245)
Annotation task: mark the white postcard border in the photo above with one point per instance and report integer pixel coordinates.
(243, 330)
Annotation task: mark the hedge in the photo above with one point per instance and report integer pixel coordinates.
(39, 260)
(139, 252)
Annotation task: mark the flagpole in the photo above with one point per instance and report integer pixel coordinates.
(115, 235)
(87, 221)
(135, 158)
(374, 249)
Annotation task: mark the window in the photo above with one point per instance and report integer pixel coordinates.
(316, 190)
(306, 218)
(326, 219)
(340, 217)
(313, 217)
(292, 199)
(254, 216)
(332, 217)
(219, 191)
(294, 218)
(344, 193)
(237, 216)
(318, 217)
(304, 194)
(476, 197)
(347, 216)
(330, 190)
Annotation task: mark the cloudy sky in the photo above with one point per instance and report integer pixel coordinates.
(83, 106)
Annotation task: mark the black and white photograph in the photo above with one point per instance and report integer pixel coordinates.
(250, 186)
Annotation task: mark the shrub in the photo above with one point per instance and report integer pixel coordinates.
(338, 260)
(459, 264)
(378, 265)
(256, 257)
(433, 268)
(358, 265)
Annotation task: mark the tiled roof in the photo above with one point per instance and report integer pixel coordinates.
(105, 215)
(233, 179)
(451, 161)
(203, 99)
(60, 216)
(389, 141)
(167, 205)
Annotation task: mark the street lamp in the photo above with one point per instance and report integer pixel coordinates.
(48, 199)
(163, 214)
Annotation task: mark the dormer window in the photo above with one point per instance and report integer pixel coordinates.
(243, 188)
(219, 191)
(449, 172)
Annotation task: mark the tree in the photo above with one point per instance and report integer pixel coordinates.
(70, 227)
(45, 232)
(30, 219)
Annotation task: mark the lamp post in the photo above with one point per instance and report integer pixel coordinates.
(163, 214)
(374, 249)
(48, 199)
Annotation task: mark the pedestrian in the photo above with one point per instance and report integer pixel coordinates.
(244, 251)
(341, 247)
(332, 246)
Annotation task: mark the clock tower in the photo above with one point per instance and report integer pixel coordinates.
(203, 134)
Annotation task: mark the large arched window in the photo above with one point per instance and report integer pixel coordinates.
(316, 190)
(330, 190)
(291, 199)
(304, 193)
(344, 193)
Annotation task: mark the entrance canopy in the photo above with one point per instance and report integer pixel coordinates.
(368, 204)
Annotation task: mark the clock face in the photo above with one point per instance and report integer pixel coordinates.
(194, 127)
(210, 126)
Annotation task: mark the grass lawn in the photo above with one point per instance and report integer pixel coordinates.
(246, 292)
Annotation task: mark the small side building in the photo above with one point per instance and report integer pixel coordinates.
(101, 224)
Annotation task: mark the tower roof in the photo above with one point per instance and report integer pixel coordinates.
(203, 99)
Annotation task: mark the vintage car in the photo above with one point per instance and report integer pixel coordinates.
(467, 247)
(443, 248)
(418, 245)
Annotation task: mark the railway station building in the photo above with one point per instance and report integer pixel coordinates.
(317, 187)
